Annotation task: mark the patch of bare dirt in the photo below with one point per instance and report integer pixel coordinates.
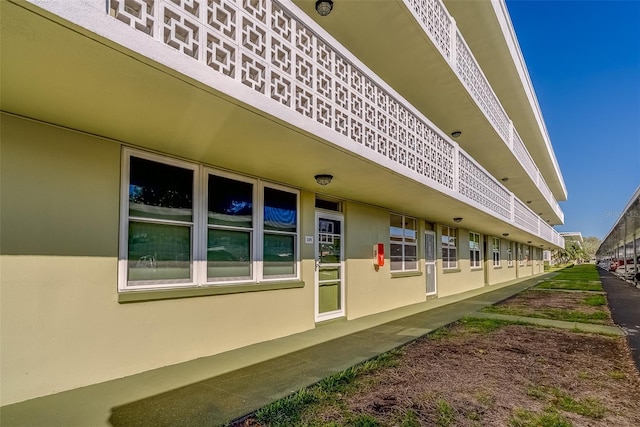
(485, 377)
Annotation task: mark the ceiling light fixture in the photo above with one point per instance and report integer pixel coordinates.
(324, 7)
(505, 234)
(457, 220)
(456, 133)
(505, 179)
(323, 179)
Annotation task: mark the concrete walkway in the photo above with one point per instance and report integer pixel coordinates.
(624, 303)
(213, 390)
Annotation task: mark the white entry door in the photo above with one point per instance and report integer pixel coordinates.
(430, 261)
(329, 277)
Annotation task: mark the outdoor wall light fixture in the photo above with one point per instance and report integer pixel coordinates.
(457, 220)
(456, 133)
(324, 7)
(323, 179)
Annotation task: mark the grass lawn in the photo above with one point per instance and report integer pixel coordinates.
(584, 307)
(583, 277)
(584, 272)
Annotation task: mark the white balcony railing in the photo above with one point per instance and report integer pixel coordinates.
(440, 26)
(266, 47)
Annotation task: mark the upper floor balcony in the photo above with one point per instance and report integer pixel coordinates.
(460, 64)
(258, 86)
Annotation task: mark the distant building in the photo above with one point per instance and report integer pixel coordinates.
(181, 178)
(572, 236)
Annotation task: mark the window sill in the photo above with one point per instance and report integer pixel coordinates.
(399, 274)
(497, 267)
(451, 270)
(202, 291)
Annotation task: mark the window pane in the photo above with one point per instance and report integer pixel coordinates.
(410, 257)
(475, 259)
(445, 250)
(280, 210)
(396, 230)
(329, 249)
(159, 252)
(395, 257)
(329, 296)
(410, 251)
(411, 227)
(230, 202)
(396, 264)
(161, 191)
(228, 254)
(396, 221)
(396, 233)
(279, 255)
(410, 264)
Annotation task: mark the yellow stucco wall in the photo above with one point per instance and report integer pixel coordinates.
(62, 324)
(369, 290)
(462, 278)
(503, 273)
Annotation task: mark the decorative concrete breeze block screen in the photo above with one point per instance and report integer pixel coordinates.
(262, 45)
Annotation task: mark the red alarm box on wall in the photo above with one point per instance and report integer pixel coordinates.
(378, 254)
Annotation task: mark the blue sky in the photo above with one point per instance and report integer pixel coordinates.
(584, 61)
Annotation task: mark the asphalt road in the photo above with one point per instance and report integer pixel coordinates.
(624, 303)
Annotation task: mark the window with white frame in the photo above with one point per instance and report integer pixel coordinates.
(509, 254)
(495, 248)
(403, 234)
(184, 225)
(474, 250)
(449, 247)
